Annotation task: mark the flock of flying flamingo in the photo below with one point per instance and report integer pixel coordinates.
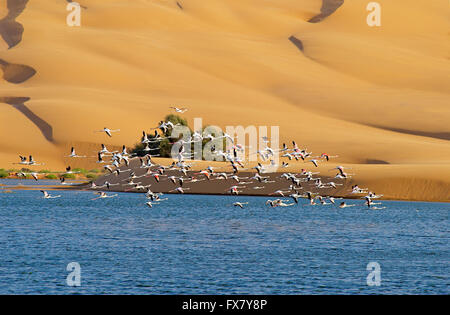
(298, 185)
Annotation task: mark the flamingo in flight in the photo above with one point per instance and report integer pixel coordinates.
(240, 204)
(48, 196)
(103, 195)
(73, 154)
(108, 131)
(179, 110)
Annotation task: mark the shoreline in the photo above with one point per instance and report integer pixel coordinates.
(395, 182)
(85, 187)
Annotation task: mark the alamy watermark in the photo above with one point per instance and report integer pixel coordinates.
(374, 276)
(374, 17)
(74, 16)
(213, 144)
(74, 277)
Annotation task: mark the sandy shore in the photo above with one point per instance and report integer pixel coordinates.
(391, 182)
(396, 187)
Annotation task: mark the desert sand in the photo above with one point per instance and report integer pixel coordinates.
(376, 96)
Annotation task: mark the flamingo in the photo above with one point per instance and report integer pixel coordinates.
(115, 163)
(118, 171)
(258, 187)
(373, 195)
(108, 131)
(69, 170)
(237, 178)
(295, 197)
(258, 168)
(327, 157)
(74, 155)
(23, 160)
(258, 177)
(205, 173)
(103, 195)
(130, 182)
(278, 192)
(333, 184)
(33, 162)
(322, 200)
(284, 148)
(108, 185)
(332, 199)
(344, 205)
(311, 198)
(144, 137)
(227, 136)
(164, 126)
(357, 190)
(148, 149)
(104, 150)
(150, 204)
(48, 196)
(196, 137)
(278, 203)
(222, 176)
(240, 204)
(288, 155)
(139, 187)
(315, 162)
(100, 158)
(179, 110)
(180, 190)
(234, 189)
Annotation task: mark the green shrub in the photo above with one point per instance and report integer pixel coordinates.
(165, 146)
(175, 119)
(51, 176)
(80, 170)
(92, 176)
(69, 176)
(44, 171)
(3, 173)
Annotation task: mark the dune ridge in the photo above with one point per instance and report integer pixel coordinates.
(19, 104)
(297, 42)
(11, 30)
(16, 73)
(328, 8)
(437, 135)
(82, 6)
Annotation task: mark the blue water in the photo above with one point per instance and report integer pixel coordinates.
(203, 245)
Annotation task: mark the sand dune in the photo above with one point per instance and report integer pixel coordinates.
(19, 104)
(376, 96)
(437, 135)
(10, 30)
(297, 42)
